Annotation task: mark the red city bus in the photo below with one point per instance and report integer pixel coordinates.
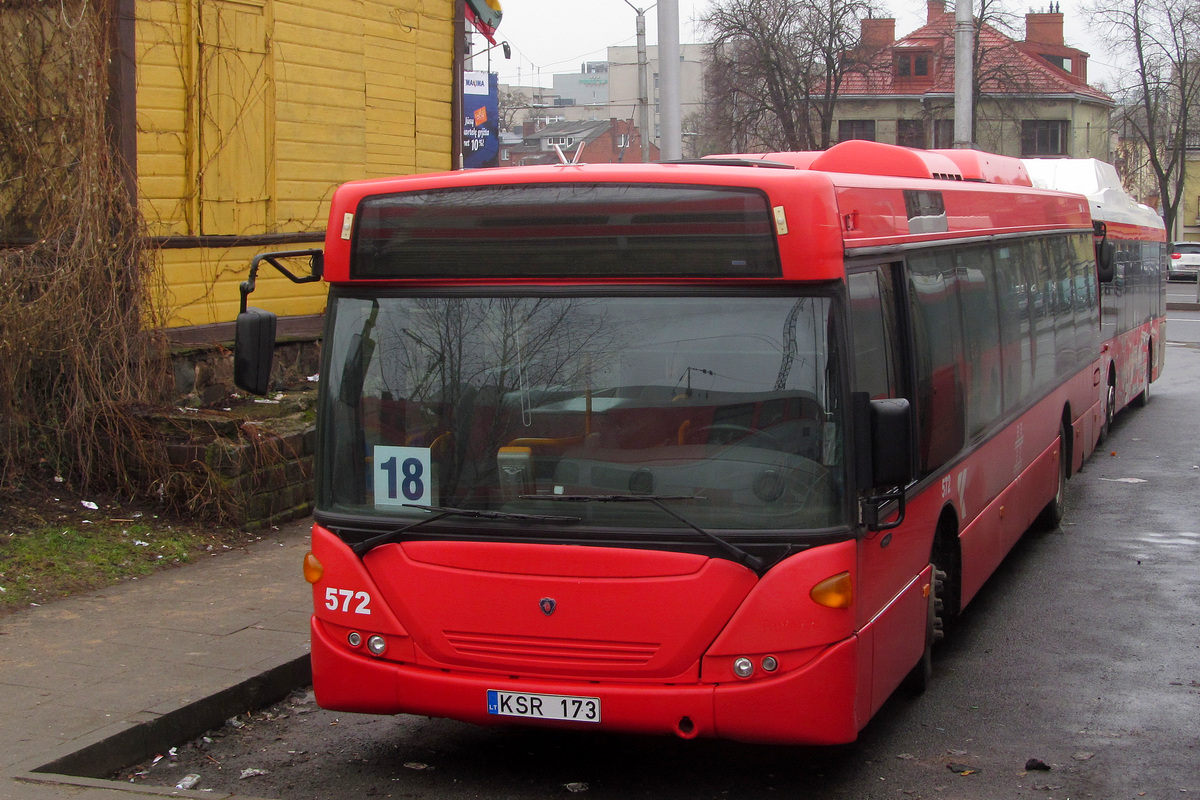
(711, 449)
(1133, 305)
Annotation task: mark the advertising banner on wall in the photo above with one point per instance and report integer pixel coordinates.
(481, 129)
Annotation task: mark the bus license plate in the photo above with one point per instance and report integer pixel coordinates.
(543, 706)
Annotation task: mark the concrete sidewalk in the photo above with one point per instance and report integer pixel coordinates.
(97, 682)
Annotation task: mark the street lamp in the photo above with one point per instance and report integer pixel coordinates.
(503, 45)
(643, 89)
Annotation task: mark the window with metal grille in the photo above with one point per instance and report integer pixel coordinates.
(943, 134)
(1044, 137)
(856, 129)
(910, 132)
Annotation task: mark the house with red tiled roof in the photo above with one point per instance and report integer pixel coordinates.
(1032, 98)
(606, 141)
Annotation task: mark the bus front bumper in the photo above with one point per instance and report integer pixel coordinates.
(813, 705)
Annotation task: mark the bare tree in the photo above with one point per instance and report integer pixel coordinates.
(459, 355)
(1160, 40)
(698, 139)
(777, 67)
(510, 105)
(994, 77)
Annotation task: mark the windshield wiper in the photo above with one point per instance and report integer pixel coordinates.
(367, 545)
(739, 555)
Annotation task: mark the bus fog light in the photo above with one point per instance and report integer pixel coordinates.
(355, 639)
(743, 667)
(376, 645)
(769, 664)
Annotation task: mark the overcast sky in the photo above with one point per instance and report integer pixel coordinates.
(549, 36)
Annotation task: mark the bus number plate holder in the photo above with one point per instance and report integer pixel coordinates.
(543, 706)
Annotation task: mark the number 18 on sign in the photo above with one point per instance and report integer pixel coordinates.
(402, 475)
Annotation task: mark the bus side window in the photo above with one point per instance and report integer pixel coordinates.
(1016, 337)
(873, 322)
(1040, 272)
(981, 338)
(938, 356)
(1087, 312)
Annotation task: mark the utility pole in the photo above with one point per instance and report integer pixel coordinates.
(643, 86)
(670, 107)
(462, 51)
(964, 69)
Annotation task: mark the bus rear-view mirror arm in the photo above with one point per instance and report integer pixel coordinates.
(254, 332)
(884, 457)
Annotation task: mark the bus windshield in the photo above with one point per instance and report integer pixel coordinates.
(726, 406)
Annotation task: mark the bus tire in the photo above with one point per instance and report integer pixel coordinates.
(1052, 515)
(1110, 408)
(1142, 399)
(921, 675)
(947, 571)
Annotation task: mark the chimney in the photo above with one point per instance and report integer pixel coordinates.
(934, 10)
(1041, 28)
(877, 33)
(1079, 66)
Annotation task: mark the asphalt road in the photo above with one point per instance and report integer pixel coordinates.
(1082, 651)
(1183, 327)
(1182, 292)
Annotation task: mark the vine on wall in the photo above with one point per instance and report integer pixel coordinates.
(80, 349)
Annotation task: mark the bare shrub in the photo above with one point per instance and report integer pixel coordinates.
(79, 335)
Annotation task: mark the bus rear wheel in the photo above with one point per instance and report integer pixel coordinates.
(1110, 409)
(1142, 399)
(1052, 515)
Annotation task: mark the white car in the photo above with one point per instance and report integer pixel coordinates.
(1184, 261)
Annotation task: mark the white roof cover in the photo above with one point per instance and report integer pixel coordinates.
(1098, 181)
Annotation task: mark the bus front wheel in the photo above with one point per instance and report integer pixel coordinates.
(921, 675)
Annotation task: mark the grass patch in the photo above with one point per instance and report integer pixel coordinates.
(57, 545)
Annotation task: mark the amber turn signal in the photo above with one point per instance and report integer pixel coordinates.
(312, 568)
(834, 592)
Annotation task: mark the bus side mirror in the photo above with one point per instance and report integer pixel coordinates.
(254, 350)
(884, 456)
(1106, 253)
(891, 442)
(254, 334)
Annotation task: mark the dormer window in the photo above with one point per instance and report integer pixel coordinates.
(1062, 62)
(910, 66)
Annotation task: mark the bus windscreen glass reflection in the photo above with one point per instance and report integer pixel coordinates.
(492, 403)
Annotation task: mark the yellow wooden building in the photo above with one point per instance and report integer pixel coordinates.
(248, 113)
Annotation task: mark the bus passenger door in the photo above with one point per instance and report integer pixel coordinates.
(891, 620)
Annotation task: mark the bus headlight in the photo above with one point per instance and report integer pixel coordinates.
(376, 645)
(743, 667)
